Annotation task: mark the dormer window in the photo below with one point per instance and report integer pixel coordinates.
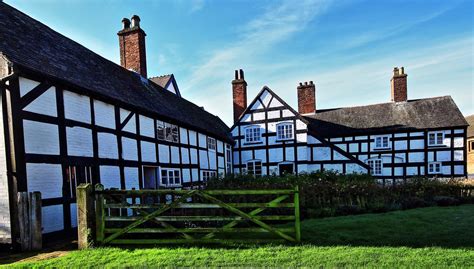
(284, 131)
(253, 135)
(382, 142)
(435, 138)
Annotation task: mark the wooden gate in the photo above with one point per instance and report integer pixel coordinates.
(181, 216)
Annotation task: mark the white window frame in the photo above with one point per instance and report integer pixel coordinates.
(437, 135)
(228, 155)
(380, 141)
(253, 165)
(435, 168)
(253, 134)
(207, 174)
(287, 132)
(170, 172)
(211, 144)
(373, 166)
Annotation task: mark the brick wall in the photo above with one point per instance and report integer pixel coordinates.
(132, 50)
(399, 85)
(306, 98)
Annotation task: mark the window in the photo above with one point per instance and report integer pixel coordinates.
(211, 143)
(381, 142)
(284, 131)
(434, 168)
(167, 132)
(435, 138)
(470, 147)
(254, 168)
(252, 134)
(170, 177)
(206, 175)
(228, 158)
(375, 166)
(285, 168)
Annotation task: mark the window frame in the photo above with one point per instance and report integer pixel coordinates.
(284, 131)
(228, 155)
(373, 166)
(209, 139)
(436, 137)
(380, 138)
(254, 170)
(168, 132)
(169, 171)
(252, 129)
(207, 174)
(470, 146)
(432, 168)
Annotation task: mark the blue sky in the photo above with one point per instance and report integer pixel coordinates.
(347, 47)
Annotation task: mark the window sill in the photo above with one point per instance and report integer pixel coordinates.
(389, 148)
(252, 143)
(284, 140)
(438, 146)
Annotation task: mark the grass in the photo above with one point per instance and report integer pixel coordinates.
(427, 237)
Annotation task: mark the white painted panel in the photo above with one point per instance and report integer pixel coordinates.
(322, 154)
(458, 155)
(398, 171)
(313, 167)
(220, 146)
(79, 142)
(174, 154)
(77, 107)
(401, 135)
(458, 142)
(194, 156)
(110, 176)
(73, 208)
(257, 105)
(131, 125)
(45, 104)
(416, 134)
(275, 103)
(186, 174)
(290, 154)
(41, 138)
(416, 157)
(342, 146)
(107, 145)
(273, 114)
(131, 178)
(195, 175)
(259, 116)
(459, 170)
(203, 159)
(360, 137)
(446, 169)
(353, 147)
(312, 140)
(52, 217)
(5, 222)
(183, 135)
(416, 144)
(212, 160)
(147, 126)
(266, 97)
(164, 153)
(26, 85)
(129, 149)
(104, 114)
(247, 155)
(412, 171)
(192, 138)
(45, 178)
(275, 155)
(202, 141)
(355, 168)
(333, 167)
(235, 158)
(338, 156)
(431, 156)
(401, 145)
(443, 156)
(246, 118)
(336, 139)
(363, 147)
(261, 154)
(148, 151)
(220, 161)
(287, 113)
(185, 155)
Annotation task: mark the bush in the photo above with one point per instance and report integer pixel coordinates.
(329, 193)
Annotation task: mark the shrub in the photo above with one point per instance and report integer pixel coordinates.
(446, 201)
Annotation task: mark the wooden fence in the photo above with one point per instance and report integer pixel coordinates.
(181, 216)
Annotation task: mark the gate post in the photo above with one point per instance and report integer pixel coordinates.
(36, 221)
(297, 214)
(85, 216)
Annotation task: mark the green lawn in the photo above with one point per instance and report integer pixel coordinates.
(428, 237)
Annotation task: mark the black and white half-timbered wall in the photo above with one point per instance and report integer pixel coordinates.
(70, 116)
(394, 141)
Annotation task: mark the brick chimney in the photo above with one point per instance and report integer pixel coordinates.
(132, 46)
(239, 94)
(306, 98)
(399, 85)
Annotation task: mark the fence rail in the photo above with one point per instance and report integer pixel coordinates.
(180, 216)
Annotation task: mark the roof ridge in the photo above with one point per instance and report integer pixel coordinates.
(162, 76)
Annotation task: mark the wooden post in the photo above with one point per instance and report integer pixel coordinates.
(99, 214)
(85, 216)
(297, 215)
(36, 221)
(23, 221)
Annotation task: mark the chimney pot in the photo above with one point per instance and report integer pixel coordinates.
(301, 84)
(135, 21)
(236, 74)
(241, 74)
(125, 23)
